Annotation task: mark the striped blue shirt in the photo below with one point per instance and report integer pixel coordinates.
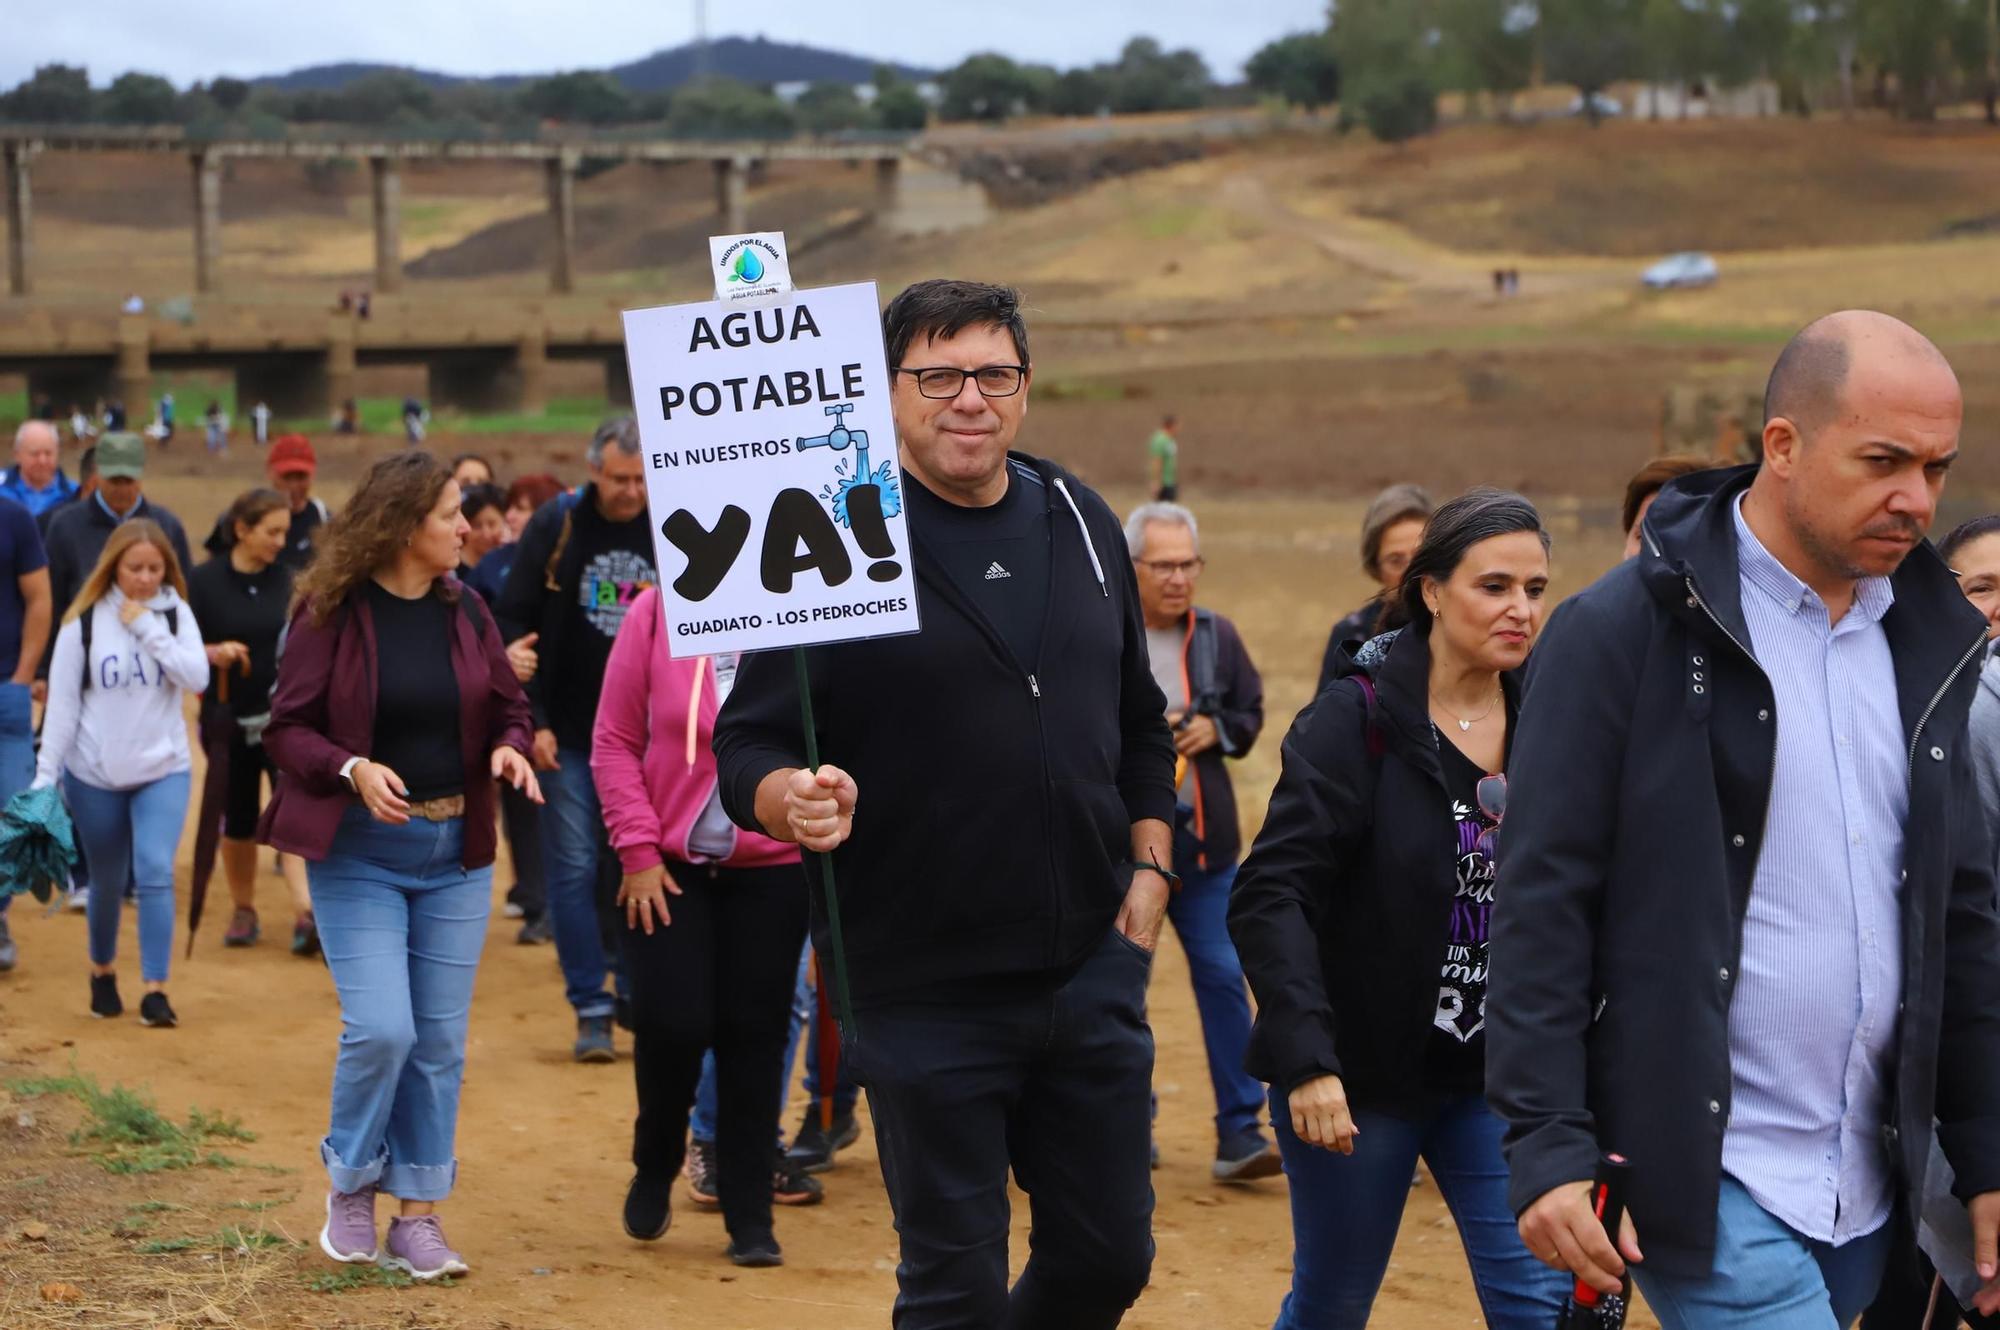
(1812, 1025)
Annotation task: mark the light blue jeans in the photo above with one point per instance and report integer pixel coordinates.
(1768, 1275)
(402, 924)
(131, 835)
(701, 1122)
(17, 748)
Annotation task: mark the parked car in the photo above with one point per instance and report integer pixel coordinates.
(1679, 270)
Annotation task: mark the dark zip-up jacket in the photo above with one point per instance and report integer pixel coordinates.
(993, 833)
(1221, 683)
(1639, 785)
(76, 535)
(1342, 909)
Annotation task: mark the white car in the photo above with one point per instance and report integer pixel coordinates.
(1679, 270)
(1605, 107)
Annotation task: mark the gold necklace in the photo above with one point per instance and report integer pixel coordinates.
(1465, 725)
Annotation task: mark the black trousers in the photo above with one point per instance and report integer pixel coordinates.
(719, 976)
(1054, 1084)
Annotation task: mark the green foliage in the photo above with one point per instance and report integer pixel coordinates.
(724, 108)
(1590, 43)
(140, 99)
(988, 86)
(126, 1134)
(1080, 92)
(585, 96)
(1146, 77)
(229, 93)
(54, 95)
(902, 107)
(1484, 46)
(351, 1278)
(1387, 71)
(828, 108)
(1300, 68)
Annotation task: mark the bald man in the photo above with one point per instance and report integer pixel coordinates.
(1746, 935)
(36, 481)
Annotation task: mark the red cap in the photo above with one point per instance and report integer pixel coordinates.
(291, 452)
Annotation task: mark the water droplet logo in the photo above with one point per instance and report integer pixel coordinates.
(748, 267)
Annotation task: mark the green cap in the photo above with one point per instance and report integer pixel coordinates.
(121, 454)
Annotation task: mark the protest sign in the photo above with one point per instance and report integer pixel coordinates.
(771, 470)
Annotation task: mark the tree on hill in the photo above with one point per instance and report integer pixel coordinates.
(229, 94)
(1148, 78)
(1590, 43)
(581, 97)
(1299, 68)
(1080, 92)
(1486, 46)
(724, 108)
(1911, 38)
(989, 86)
(140, 99)
(54, 95)
(898, 105)
(1387, 74)
(828, 108)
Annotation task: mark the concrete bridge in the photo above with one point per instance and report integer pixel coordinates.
(481, 356)
(560, 157)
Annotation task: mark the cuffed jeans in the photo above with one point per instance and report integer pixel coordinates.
(1053, 1084)
(1346, 1210)
(1200, 915)
(805, 1017)
(574, 846)
(1769, 1276)
(402, 923)
(132, 836)
(17, 748)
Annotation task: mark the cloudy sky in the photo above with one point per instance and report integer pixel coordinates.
(251, 37)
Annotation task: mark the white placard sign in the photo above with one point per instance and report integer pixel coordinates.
(771, 471)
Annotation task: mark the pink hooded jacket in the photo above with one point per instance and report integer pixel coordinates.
(650, 752)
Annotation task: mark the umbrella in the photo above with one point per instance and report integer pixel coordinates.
(37, 844)
(216, 724)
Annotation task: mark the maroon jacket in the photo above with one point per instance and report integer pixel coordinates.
(323, 712)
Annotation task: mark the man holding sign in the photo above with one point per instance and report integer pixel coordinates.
(1002, 898)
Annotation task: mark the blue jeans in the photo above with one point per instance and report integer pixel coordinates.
(1346, 1209)
(1768, 1275)
(402, 924)
(17, 748)
(573, 847)
(132, 835)
(805, 1017)
(1200, 915)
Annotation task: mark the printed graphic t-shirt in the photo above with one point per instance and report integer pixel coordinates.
(1456, 1061)
(998, 556)
(613, 563)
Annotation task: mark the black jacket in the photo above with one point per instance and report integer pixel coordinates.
(1223, 685)
(575, 575)
(1638, 789)
(1341, 912)
(993, 836)
(1355, 629)
(76, 536)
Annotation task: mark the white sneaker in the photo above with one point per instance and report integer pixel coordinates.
(79, 899)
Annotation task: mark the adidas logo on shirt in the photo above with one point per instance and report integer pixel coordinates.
(996, 572)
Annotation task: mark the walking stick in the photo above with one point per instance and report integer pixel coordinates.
(828, 895)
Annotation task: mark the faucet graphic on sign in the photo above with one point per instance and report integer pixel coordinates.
(839, 439)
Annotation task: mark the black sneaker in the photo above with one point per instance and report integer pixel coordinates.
(305, 937)
(759, 1252)
(648, 1206)
(593, 1040)
(814, 1147)
(700, 1172)
(154, 1010)
(104, 996)
(791, 1186)
(536, 932)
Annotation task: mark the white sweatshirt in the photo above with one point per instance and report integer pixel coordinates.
(127, 729)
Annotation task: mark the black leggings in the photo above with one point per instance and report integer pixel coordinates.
(245, 794)
(719, 976)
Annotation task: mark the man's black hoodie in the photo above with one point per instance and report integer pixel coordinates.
(992, 836)
(572, 582)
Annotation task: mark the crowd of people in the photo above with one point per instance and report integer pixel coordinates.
(1696, 869)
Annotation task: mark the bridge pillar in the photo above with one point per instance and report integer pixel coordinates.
(531, 367)
(135, 369)
(339, 378)
(888, 186)
(562, 220)
(732, 194)
(617, 380)
(20, 220)
(207, 170)
(387, 191)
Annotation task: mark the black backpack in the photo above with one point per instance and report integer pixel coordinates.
(172, 615)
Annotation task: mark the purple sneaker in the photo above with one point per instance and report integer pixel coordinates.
(349, 1234)
(417, 1247)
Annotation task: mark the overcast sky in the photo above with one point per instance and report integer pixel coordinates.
(252, 37)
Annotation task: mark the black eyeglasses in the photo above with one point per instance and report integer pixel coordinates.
(944, 382)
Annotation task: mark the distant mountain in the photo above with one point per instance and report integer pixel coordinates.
(751, 59)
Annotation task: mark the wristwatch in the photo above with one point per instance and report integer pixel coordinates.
(347, 772)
